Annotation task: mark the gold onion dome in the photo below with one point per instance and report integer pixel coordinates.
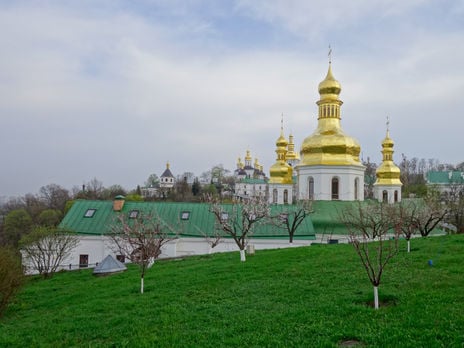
(329, 145)
(330, 86)
(281, 172)
(388, 172)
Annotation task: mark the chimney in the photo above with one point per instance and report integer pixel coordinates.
(118, 203)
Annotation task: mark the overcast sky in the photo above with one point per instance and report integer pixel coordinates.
(114, 89)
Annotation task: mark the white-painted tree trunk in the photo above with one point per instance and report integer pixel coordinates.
(409, 246)
(242, 255)
(376, 297)
(141, 285)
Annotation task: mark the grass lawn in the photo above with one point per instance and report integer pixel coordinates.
(300, 297)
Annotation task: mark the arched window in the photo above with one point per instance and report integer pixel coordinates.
(285, 197)
(335, 188)
(311, 188)
(396, 196)
(385, 196)
(274, 196)
(356, 188)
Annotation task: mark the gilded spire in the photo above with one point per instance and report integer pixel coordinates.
(329, 145)
(388, 173)
(281, 171)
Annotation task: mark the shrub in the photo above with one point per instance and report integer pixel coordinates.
(11, 275)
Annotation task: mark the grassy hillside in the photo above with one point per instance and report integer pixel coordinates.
(311, 296)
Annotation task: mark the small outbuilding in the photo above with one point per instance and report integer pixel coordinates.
(109, 265)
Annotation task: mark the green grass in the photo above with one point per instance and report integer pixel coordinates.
(301, 297)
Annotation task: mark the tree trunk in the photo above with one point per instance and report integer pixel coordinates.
(409, 245)
(242, 255)
(141, 284)
(376, 297)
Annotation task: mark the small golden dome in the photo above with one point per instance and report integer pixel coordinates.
(330, 86)
(388, 172)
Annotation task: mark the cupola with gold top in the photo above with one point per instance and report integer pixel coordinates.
(329, 145)
(387, 187)
(291, 157)
(281, 172)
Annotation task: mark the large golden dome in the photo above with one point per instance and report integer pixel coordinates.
(329, 145)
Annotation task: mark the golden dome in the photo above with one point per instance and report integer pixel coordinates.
(388, 172)
(329, 86)
(281, 172)
(329, 145)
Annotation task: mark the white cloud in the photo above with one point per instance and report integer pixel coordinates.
(113, 91)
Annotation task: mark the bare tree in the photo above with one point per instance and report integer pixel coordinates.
(238, 219)
(405, 220)
(54, 196)
(454, 202)
(290, 218)
(46, 248)
(373, 237)
(141, 239)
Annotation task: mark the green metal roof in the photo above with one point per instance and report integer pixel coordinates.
(448, 177)
(252, 181)
(200, 222)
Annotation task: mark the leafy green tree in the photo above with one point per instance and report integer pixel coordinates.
(45, 248)
(196, 187)
(50, 217)
(17, 224)
(11, 275)
(152, 181)
(113, 191)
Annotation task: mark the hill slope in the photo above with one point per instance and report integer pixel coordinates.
(311, 296)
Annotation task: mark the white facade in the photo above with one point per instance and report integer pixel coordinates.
(248, 188)
(325, 183)
(281, 193)
(387, 193)
(94, 249)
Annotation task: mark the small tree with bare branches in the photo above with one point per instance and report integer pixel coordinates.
(373, 236)
(238, 219)
(290, 218)
(45, 248)
(141, 239)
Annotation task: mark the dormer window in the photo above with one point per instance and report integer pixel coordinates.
(185, 215)
(133, 214)
(90, 213)
(224, 216)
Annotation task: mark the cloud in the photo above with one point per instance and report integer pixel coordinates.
(113, 90)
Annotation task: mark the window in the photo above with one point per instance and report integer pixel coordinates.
(285, 197)
(90, 213)
(396, 196)
(335, 188)
(133, 214)
(274, 196)
(185, 215)
(83, 260)
(385, 196)
(224, 216)
(311, 188)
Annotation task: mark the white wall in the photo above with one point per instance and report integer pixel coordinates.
(323, 175)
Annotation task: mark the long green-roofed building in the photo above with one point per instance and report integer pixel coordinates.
(91, 220)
